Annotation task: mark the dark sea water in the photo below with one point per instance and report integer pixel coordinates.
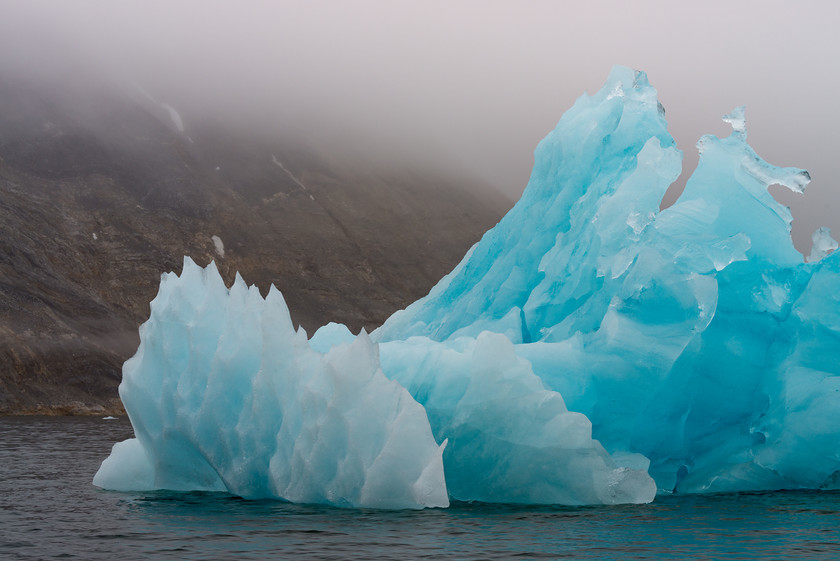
(50, 510)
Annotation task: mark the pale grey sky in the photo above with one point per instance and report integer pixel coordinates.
(474, 84)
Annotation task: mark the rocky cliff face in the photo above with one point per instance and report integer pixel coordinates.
(100, 193)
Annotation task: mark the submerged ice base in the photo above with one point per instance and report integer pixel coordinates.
(589, 349)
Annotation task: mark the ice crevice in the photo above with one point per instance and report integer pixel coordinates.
(589, 349)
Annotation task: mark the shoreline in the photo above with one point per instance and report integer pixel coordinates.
(113, 407)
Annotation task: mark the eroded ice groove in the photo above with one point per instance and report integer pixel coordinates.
(586, 343)
(225, 395)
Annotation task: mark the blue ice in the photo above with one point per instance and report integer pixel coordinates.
(225, 395)
(589, 349)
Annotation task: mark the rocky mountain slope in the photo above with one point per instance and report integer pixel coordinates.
(100, 193)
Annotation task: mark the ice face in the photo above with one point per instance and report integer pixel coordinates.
(225, 395)
(695, 336)
(510, 439)
(597, 182)
(589, 349)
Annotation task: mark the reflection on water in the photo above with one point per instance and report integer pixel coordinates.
(49, 509)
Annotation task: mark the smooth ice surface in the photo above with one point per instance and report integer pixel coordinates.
(589, 349)
(510, 439)
(225, 395)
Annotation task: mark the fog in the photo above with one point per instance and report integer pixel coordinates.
(469, 86)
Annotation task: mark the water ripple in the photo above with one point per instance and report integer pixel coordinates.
(50, 510)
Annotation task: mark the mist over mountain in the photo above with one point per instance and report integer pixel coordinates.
(104, 188)
(348, 151)
(464, 87)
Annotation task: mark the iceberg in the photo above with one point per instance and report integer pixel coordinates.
(224, 395)
(695, 336)
(589, 349)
